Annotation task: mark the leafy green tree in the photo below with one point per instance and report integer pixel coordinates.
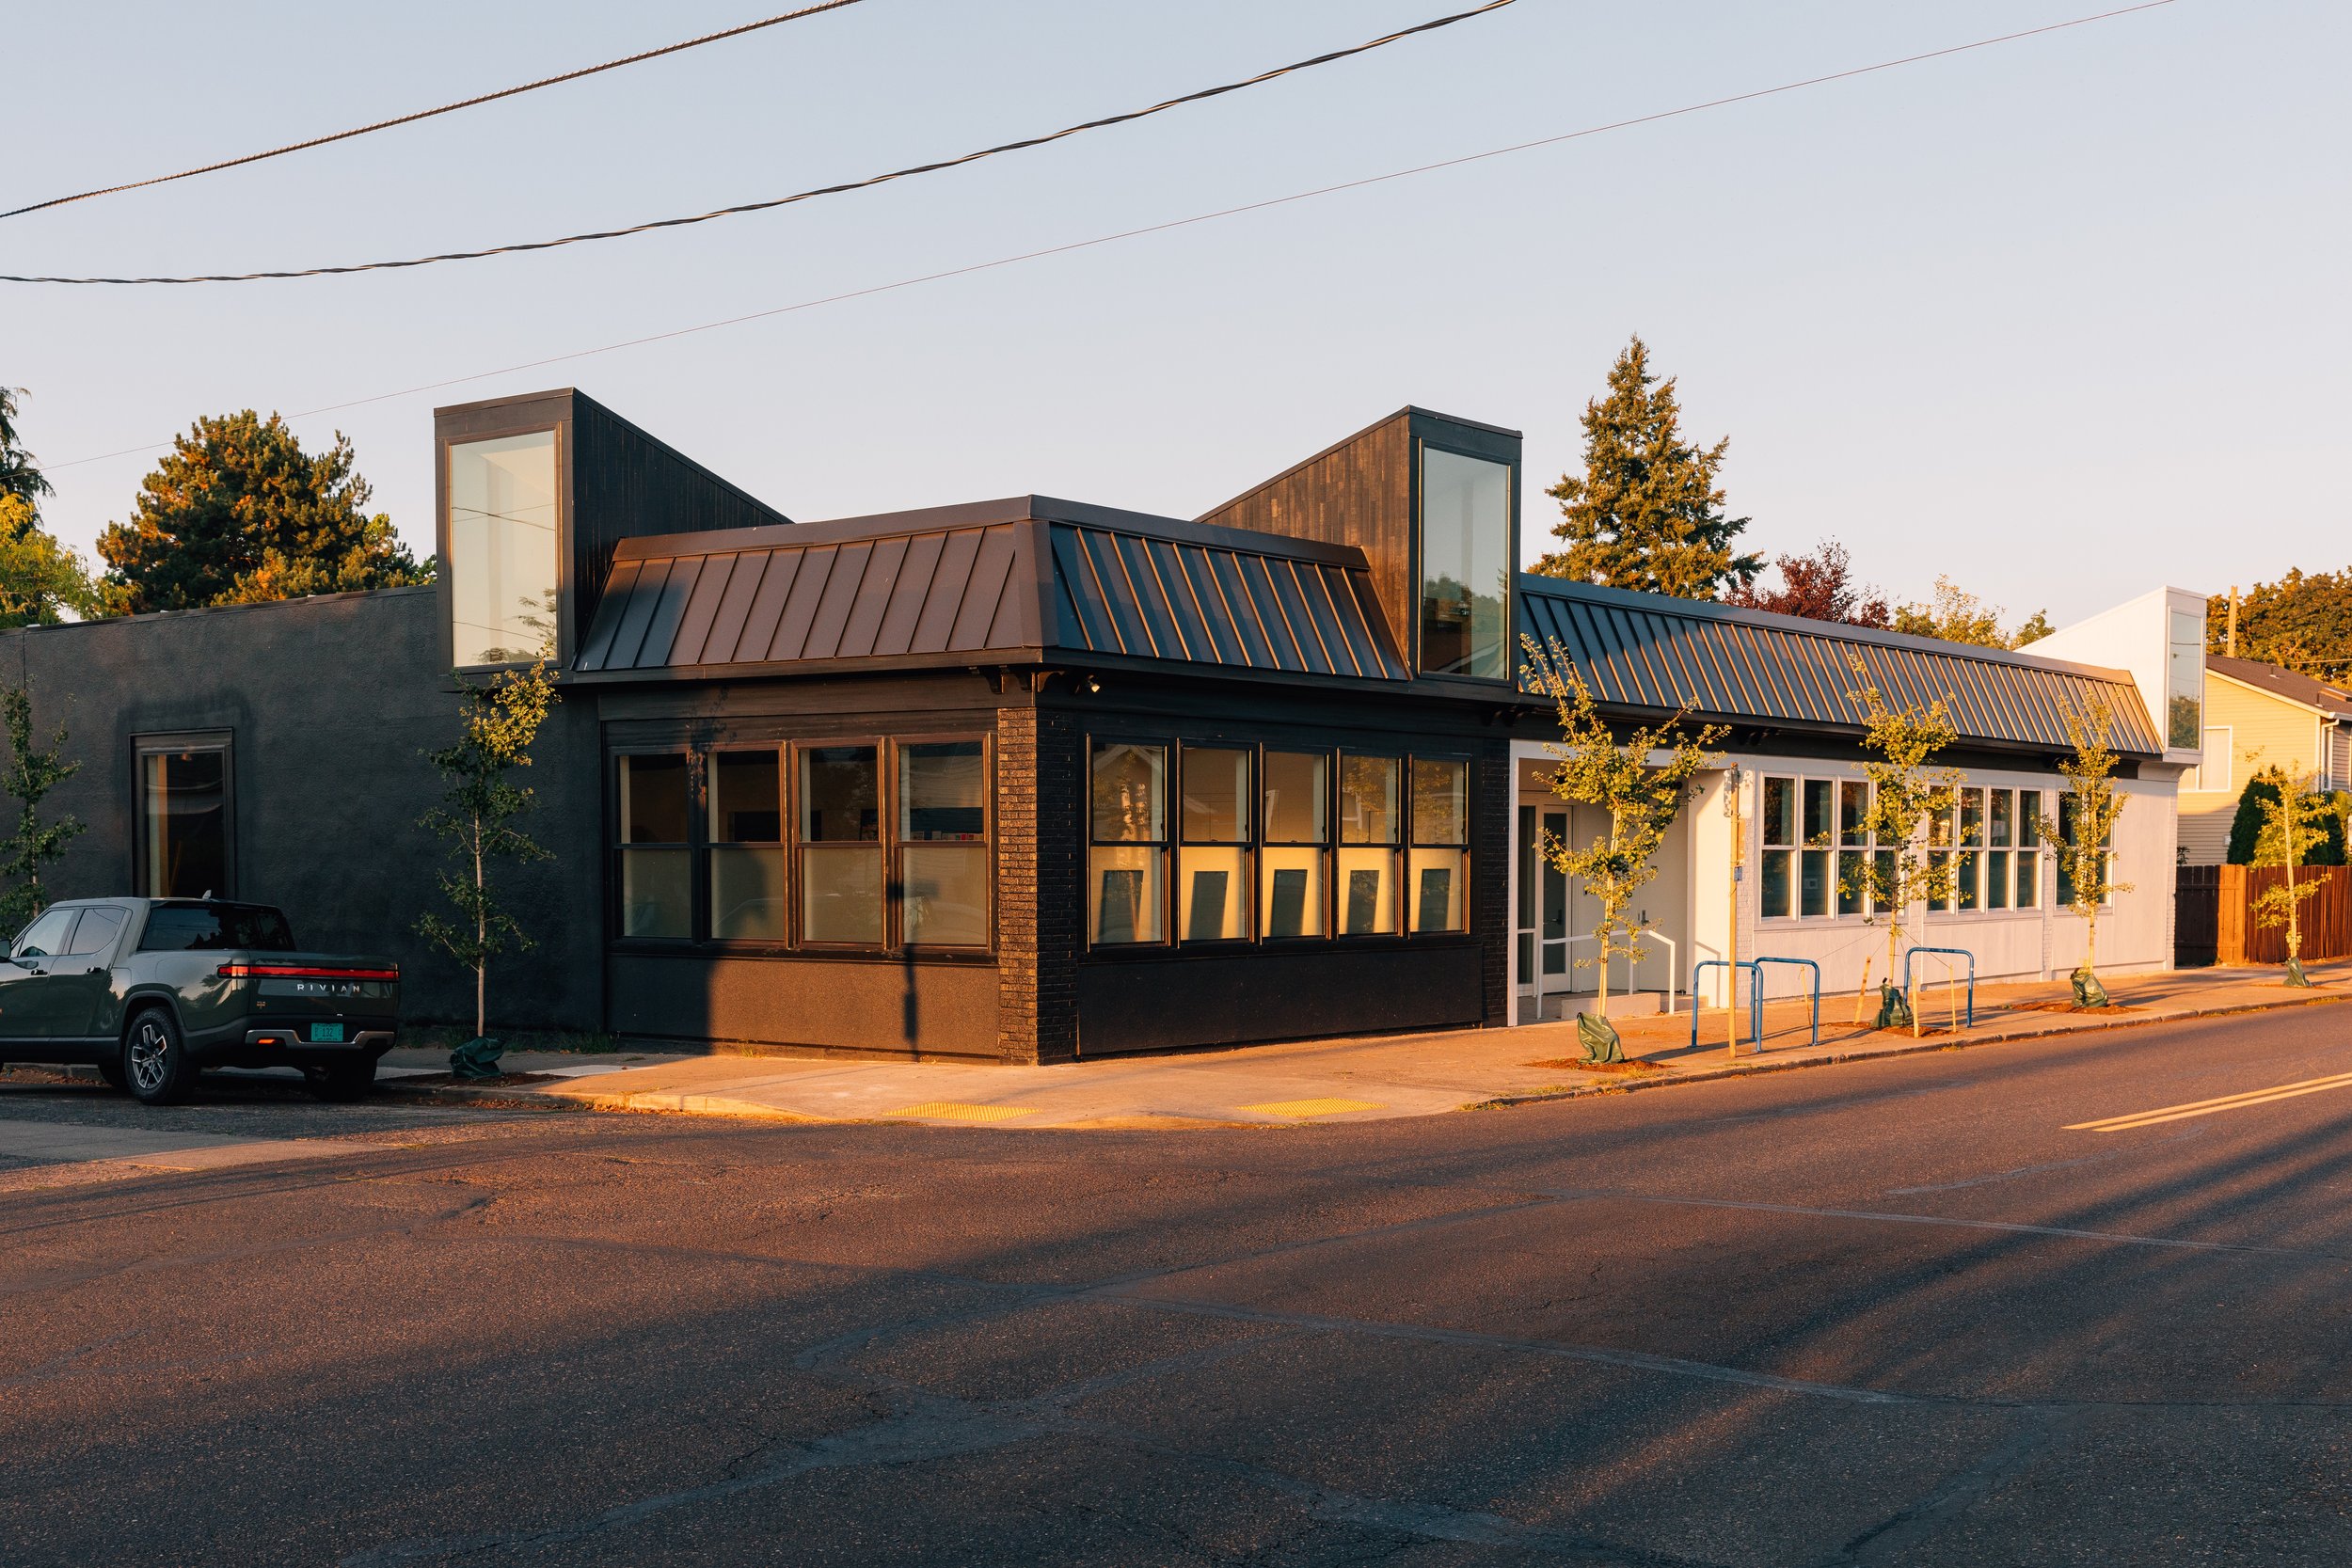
(1907, 796)
(27, 777)
(19, 477)
(1640, 799)
(1648, 513)
(2254, 808)
(239, 513)
(1955, 616)
(40, 579)
(2302, 621)
(2083, 832)
(480, 815)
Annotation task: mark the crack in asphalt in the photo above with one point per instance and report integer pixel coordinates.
(1896, 1537)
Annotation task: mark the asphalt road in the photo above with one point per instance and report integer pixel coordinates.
(1888, 1313)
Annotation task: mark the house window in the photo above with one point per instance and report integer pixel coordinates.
(1217, 795)
(2185, 681)
(1439, 868)
(1297, 832)
(840, 845)
(2214, 774)
(184, 815)
(2069, 834)
(2028, 849)
(1854, 839)
(1130, 844)
(1813, 880)
(1780, 832)
(745, 854)
(656, 870)
(1369, 816)
(503, 566)
(1464, 566)
(942, 844)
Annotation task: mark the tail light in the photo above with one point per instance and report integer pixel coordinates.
(300, 971)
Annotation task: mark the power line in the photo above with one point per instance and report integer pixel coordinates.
(996, 262)
(809, 194)
(428, 114)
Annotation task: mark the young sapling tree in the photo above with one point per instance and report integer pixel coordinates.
(1639, 798)
(1907, 796)
(2083, 834)
(2294, 817)
(31, 772)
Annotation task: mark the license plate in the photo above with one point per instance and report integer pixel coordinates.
(326, 1034)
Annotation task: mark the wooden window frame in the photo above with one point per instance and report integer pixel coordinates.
(163, 742)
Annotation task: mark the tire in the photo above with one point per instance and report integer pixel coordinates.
(344, 1082)
(155, 1065)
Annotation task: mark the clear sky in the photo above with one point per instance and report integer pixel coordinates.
(2060, 318)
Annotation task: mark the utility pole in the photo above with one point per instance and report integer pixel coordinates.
(1739, 866)
(2231, 643)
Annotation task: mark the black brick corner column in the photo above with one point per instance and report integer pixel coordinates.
(1494, 790)
(1040, 895)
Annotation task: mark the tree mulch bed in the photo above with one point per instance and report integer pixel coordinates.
(2070, 1007)
(1631, 1065)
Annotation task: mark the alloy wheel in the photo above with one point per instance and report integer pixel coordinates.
(151, 1056)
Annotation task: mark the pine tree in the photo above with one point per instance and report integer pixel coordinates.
(1648, 513)
(20, 477)
(240, 513)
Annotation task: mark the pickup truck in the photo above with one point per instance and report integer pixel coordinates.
(154, 990)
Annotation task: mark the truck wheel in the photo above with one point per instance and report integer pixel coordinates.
(155, 1065)
(344, 1081)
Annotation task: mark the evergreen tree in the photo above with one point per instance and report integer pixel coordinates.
(1648, 513)
(239, 513)
(2259, 804)
(19, 477)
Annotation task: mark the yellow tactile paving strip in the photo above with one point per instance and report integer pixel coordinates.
(1312, 1108)
(956, 1110)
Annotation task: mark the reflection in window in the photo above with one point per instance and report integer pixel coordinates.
(503, 552)
(1438, 869)
(841, 869)
(1464, 566)
(747, 898)
(1129, 815)
(1367, 835)
(2184, 682)
(184, 823)
(1216, 836)
(942, 844)
(1298, 787)
(657, 897)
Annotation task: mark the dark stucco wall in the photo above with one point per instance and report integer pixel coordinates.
(331, 704)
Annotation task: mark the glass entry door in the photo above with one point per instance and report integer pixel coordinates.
(1541, 918)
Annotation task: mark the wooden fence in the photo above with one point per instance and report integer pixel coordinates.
(2325, 919)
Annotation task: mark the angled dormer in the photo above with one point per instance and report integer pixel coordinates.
(533, 494)
(1433, 502)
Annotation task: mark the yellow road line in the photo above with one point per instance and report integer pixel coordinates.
(954, 1110)
(2209, 1107)
(1312, 1108)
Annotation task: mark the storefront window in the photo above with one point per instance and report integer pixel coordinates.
(502, 548)
(840, 849)
(184, 822)
(942, 844)
(1368, 839)
(1215, 844)
(1129, 815)
(1297, 786)
(656, 877)
(1464, 566)
(1439, 862)
(747, 898)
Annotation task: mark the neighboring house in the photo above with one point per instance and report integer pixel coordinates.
(1029, 778)
(2259, 715)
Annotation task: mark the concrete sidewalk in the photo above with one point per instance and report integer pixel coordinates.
(1336, 1080)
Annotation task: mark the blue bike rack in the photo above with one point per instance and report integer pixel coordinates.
(1756, 991)
(1758, 982)
(1911, 953)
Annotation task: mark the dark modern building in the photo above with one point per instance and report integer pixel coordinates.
(1020, 780)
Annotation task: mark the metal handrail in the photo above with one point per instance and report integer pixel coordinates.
(1758, 981)
(1912, 997)
(1731, 993)
(1674, 960)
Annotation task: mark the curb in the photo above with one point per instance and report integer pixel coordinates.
(643, 1102)
(1751, 1070)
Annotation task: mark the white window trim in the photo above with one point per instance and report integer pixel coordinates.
(2193, 782)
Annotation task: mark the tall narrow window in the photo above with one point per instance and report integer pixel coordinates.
(840, 845)
(1968, 892)
(2184, 682)
(1998, 831)
(1297, 786)
(1216, 854)
(656, 880)
(184, 822)
(2028, 849)
(942, 844)
(1368, 839)
(1814, 880)
(1439, 860)
(1854, 839)
(1464, 566)
(502, 548)
(1780, 834)
(747, 898)
(1129, 816)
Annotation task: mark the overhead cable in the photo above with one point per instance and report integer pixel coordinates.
(1065, 248)
(1161, 107)
(428, 114)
